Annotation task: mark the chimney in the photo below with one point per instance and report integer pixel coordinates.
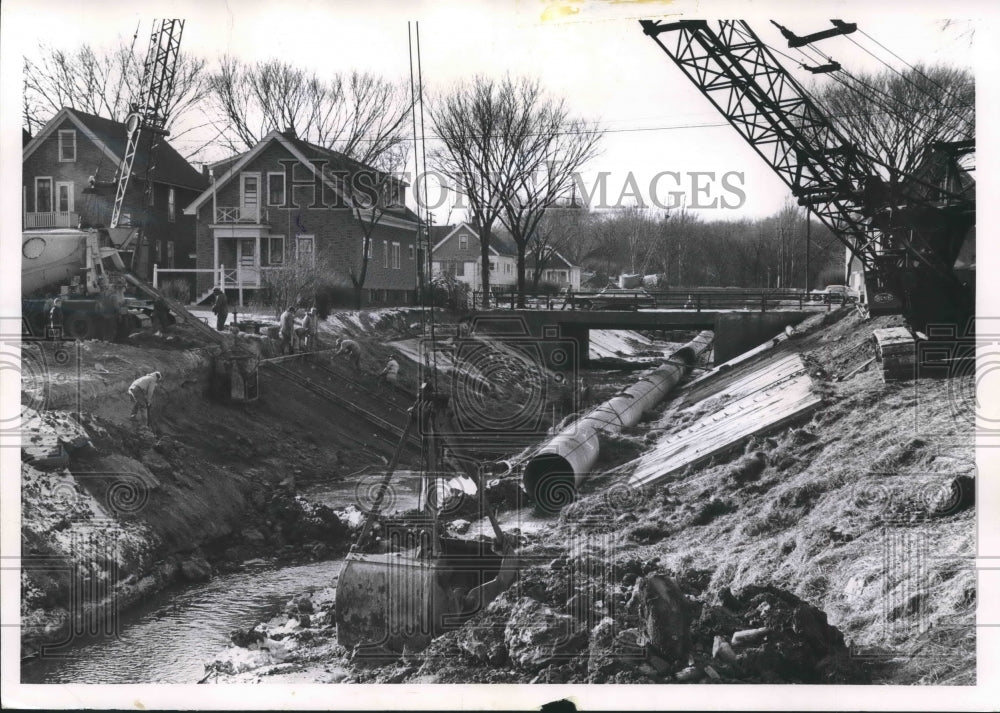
(289, 132)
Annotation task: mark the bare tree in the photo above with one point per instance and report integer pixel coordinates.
(894, 116)
(369, 194)
(548, 147)
(559, 228)
(473, 155)
(360, 115)
(107, 83)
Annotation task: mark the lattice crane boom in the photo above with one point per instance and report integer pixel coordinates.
(150, 112)
(826, 171)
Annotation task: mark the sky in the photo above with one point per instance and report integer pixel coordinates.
(593, 54)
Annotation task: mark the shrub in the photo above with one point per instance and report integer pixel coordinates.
(178, 289)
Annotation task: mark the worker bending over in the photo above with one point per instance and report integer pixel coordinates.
(141, 393)
(352, 349)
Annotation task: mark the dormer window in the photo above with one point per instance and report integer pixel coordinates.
(67, 145)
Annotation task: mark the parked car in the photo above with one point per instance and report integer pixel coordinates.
(617, 298)
(834, 293)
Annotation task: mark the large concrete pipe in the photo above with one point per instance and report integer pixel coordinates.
(553, 474)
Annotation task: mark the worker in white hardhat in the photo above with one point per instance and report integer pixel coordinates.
(141, 393)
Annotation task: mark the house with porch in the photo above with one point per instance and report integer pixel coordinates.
(456, 251)
(288, 203)
(555, 269)
(69, 180)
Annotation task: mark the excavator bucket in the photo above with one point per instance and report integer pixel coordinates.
(386, 601)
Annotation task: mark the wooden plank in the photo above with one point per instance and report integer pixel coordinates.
(765, 399)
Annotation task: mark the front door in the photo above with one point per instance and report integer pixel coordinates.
(246, 257)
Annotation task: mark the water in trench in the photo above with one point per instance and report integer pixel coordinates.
(171, 636)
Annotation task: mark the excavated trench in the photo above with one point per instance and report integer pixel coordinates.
(211, 539)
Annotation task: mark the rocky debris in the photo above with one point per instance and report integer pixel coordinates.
(776, 637)
(958, 494)
(536, 635)
(196, 568)
(663, 612)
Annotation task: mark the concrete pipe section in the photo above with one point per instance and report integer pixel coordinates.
(553, 475)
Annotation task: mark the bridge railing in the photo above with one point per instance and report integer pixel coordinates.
(678, 298)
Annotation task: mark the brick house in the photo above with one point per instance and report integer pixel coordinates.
(69, 180)
(457, 252)
(283, 202)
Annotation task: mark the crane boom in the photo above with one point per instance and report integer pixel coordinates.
(149, 113)
(891, 223)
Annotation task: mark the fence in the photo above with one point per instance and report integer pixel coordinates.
(696, 299)
(232, 278)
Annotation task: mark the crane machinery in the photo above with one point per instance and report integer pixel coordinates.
(905, 231)
(82, 266)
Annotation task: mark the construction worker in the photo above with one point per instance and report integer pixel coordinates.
(221, 308)
(141, 393)
(352, 349)
(161, 318)
(56, 318)
(286, 329)
(390, 374)
(310, 330)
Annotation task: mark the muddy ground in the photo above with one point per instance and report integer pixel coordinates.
(834, 549)
(128, 509)
(772, 563)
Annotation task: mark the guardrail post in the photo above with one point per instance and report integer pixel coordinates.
(698, 301)
(156, 282)
(763, 302)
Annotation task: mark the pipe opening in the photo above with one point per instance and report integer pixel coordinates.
(550, 482)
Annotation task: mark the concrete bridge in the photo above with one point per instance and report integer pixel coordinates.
(736, 331)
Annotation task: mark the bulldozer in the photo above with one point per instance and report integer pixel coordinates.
(418, 584)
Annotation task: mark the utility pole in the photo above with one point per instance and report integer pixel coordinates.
(808, 242)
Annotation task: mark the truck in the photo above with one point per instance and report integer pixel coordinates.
(84, 271)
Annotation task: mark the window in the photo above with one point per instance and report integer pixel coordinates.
(463, 242)
(506, 268)
(304, 249)
(276, 189)
(43, 195)
(395, 256)
(67, 145)
(170, 253)
(64, 197)
(385, 253)
(493, 266)
(460, 269)
(171, 205)
(273, 251)
(368, 248)
(410, 247)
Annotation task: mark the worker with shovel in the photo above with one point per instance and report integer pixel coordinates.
(141, 393)
(352, 349)
(390, 374)
(221, 308)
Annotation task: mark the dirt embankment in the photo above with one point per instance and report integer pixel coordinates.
(829, 550)
(112, 511)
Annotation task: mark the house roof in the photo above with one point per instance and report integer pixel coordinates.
(111, 137)
(441, 233)
(555, 262)
(306, 153)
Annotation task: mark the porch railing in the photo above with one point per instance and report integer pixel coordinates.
(240, 214)
(53, 219)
